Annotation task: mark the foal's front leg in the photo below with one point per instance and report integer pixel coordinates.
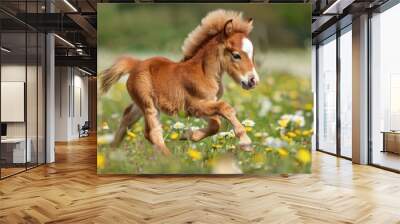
(213, 108)
(214, 124)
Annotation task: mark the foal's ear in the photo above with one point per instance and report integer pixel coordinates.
(250, 21)
(228, 28)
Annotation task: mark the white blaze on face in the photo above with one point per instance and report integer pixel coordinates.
(247, 47)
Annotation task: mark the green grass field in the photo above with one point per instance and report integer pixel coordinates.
(277, 115)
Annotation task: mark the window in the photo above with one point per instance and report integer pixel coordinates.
(385, 89)
(327, 95)
(346, 92)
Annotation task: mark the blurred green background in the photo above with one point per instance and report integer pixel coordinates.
(163, 27)
(280, 107)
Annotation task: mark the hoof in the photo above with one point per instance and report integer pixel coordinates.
(246, 147)
(164, 150)
(192, 136)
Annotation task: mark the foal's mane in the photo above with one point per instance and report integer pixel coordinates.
(211, 25)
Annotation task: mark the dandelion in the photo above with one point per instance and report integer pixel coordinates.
(105, 126)
(283, 152)
(287, 139)
(174, 135)
(100, 160)
(268, 149)
(194, 154)
(131, 134)
(307, 132)
(248, 123)
(248, 129)
(291, 134)
(178, 126)
(283, 123)
(259, 158)
(308, 106)
(303, 155)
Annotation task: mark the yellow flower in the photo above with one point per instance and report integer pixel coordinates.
(291, 134)
(308, 106)
(174, 135)
(287, 138)
(268, 149)
(104, 126)
(230, 147)
(297, 131)
(307, 132)
(283, 123)
(248, 129)
(131, 134)
(303, 155)
(194, 154)
(282, 152)
(216, 146)
(259, 158)
(100, 160)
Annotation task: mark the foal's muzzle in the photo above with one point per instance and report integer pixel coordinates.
(249, 82)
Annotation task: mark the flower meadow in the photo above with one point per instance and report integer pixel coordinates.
(277, 115)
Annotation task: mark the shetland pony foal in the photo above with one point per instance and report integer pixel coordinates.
(193, 85)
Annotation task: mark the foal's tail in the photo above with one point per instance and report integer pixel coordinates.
(121, 67)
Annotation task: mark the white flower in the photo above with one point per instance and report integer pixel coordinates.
(287, 117)
(265, 107)
(248, 123)
(299, 120)
(274, 142)
(194, 128)
(178, 126)
(226, 134)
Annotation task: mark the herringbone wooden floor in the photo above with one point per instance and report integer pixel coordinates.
(70, 191)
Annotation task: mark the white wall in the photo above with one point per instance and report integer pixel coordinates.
(70, 83)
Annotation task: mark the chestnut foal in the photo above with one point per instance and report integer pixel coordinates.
(194, 85)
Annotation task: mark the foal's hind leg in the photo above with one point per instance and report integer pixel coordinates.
(131, 115)
(153, 129)
(214, 123)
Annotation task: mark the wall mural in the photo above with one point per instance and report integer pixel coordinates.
(204, 89)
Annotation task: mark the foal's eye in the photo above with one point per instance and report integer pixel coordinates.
(236, 56)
